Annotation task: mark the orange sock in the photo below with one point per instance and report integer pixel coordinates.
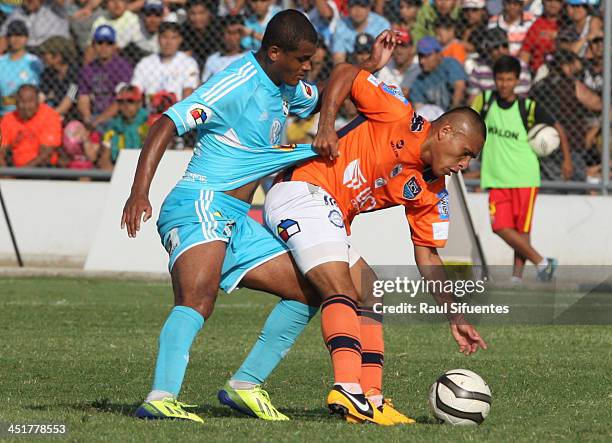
(373, 351)
(340, 327)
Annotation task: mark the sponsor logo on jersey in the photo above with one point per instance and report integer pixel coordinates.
(308, 92)
(412, 188)
(199, 114)
(336, 218)
(396, 170)
(286, 148)
(416, 125)
(379, 182)
(395, 92)
(397, 145)
(443, 207)
(275, 131)
(373, 80)
(228, 228)
(285, 107)
(173, 241)
(287, 229)
(353, 177)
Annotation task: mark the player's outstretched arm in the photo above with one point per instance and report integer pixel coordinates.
(338, 88)
(431, 268)
(137, 204)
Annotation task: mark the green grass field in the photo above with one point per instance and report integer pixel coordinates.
(81, 352)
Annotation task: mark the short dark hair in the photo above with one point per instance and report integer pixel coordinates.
(27, 86)
(287, 30)
(507, 63)
(229, 20)
(474, 119)
(169, 26)
(208, 4)
(445, 21)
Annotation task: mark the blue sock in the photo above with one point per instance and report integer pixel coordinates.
(284, 324)
(175, 339)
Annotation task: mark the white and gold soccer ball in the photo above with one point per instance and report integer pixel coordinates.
(543, 139)
(460, 397)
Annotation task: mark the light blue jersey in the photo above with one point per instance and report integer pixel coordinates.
(13, 74)
(239, 114)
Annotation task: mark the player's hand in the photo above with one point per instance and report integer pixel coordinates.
(135, 206)
(326, 142)
(567, 168)
(466, 336)
(382, 49)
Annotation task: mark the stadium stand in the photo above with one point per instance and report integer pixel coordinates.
(82, 54)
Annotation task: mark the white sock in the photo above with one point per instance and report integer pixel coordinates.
(242, 385)
(158, 395)
(542, 265)
(376, 400)
(353, 388)
(515, 280)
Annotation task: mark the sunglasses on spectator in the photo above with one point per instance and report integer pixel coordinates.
(596, 40)
(150, 13)
(104, 43)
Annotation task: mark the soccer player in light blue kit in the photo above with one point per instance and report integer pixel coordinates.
(239, 115)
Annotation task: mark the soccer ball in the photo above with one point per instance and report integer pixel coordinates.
(543, 139)
(460, 397)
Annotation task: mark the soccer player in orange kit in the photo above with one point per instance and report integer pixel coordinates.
(389, 156)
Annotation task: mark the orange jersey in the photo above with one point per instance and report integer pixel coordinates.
(380, 165)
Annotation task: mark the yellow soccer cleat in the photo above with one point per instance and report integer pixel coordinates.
(355, 408)
(254, 402)
(389, 411)
(168, 408)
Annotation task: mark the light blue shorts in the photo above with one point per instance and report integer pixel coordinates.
(191, 217)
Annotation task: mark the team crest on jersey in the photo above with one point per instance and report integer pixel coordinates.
(285, 107)
(395, 92)
(411, 188)
(417, 123)
(287, 229)
(443, 206)
(173, 241)
(379, 183)
(198, 114)
(275, 131)
(228, 228)
(336, 218)
(396, 170)
(353, 177)
(308, 92)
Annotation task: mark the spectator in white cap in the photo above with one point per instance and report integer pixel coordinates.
(473, 22)
(40, 21)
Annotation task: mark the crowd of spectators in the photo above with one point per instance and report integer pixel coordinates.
(98, 73)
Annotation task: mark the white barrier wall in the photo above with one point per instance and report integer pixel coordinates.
(51, 219)
(60, 219)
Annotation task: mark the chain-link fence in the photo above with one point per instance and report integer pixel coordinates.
(105, 70)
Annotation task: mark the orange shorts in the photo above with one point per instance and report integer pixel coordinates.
(512, 208)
